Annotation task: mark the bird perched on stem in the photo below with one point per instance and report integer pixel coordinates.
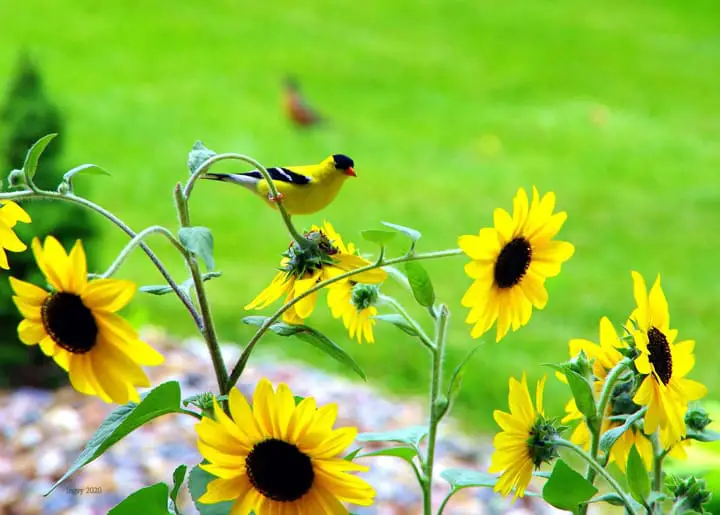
(296, 107)
(302, 189)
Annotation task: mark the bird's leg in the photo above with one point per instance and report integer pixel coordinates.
(278, 198)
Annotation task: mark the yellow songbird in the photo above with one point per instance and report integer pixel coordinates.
(302, 189)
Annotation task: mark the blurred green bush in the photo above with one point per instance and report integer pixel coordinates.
(26, 114)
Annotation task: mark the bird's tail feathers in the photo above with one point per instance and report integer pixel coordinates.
(241, 179)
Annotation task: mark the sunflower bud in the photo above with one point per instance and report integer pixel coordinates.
(581, 365)
(621, 399)
(691, 492)
(697, 419)
(308, 259)
(64, 188)
(541, 443)
(16, 179)
(365, 295)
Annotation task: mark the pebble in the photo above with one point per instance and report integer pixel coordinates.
(43, 433)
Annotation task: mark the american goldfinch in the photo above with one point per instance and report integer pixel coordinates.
(303, 189)
(296, 107)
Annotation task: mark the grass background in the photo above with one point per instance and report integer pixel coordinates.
(447, 107)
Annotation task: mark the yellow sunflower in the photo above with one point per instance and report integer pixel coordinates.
(278, 458)
(302, 269)
(77, 325)
(620, 449)
(355, 303)
(525, 441)
(510, 263)
(665, 390)
(10, 215)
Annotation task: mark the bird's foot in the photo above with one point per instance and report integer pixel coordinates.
(278, 198)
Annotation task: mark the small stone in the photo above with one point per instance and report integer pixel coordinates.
(28, 437)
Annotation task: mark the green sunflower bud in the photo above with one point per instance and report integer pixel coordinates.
(581, 365)
(541, 443)
(64, 188)
(692, 493)
(365, 295)
(16, 179)
(621, 399)
(697, 419)
(308, 259)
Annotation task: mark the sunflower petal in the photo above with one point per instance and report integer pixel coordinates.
(108, 294)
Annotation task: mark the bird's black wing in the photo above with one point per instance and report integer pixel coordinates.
(281, 175)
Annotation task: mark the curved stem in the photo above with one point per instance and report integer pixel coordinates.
(300, 239)
(245, 356)
(191, 413)
(443, 504)
(137, 239)
(436, 411)
(424, 338)
(600, 471)
(658, 457)
(21, 195)
(678, 507)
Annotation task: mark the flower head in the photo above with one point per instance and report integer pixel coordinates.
(76, 323)
(303, 268)
(10, 215)
(355, 303)
(526, 440)
(510, 263)
(279, 458)
(664, 390)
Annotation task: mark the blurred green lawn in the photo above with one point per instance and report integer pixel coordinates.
(447, 107)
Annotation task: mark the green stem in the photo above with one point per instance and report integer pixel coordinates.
(658, 457)
(600, 471)
(245, 355)
(191, 413)
(443, 504)
(422, 335)
(24, 195)
(208, 325)
(137, 239)
(678, 507)
(300, 239)
(436, 410)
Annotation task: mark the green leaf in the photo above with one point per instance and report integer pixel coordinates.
(189, 284)
(378, 236)
(198, 155)
(466, 478)
(705, 435)
(410, 435)
(33, 155)
(405, 453)
(161, 400)
(151, 500)
(178, 479)
(611, 498)
(156, 289)
(608, 439)
(407, 231)
(566, 489)
(352, 454)
(637, 476)
(313, 337)
(399, 322)
(457, 376)
(199, 241)
(197, 484)
(582, 391)
(87, 169)
(420, 283)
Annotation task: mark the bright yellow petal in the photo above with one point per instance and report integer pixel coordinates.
(9, 240)
(30, 293)
(220, 490)
(78, 269)
(264, 408)
(12, 213)
(658, 306)
(57, 263)
(642, 314)
(108, 295)
(280, 285)
(31, 332)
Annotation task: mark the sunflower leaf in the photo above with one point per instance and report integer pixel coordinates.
(33, 156)
(189, 284)
(86, 169)
(566, 489)
(159, 401)
(178, 479)
(410, 435)
(199, 241)
(637, 476)
(466, 478)
(352, 454)
(197, 484)
(420, 283)
(399, 322)
(378, 236)
(608, 439)
(151, 500)
(582, 392)
(198, 155)
(413, 234)
(156, 289)
(457, 376)
(404, 453)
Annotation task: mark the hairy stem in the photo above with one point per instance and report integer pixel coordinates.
(245, 356)
(135, 241)
(436, 411)
(422, 336)
(600, 471)
(26, 195)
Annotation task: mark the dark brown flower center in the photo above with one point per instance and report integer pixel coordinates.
(279, 471)
(69, 322)
(660, 355)
(512, 263)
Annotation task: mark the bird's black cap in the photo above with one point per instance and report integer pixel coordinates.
(343, 162)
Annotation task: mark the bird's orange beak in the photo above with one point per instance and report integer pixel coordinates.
(351, 172)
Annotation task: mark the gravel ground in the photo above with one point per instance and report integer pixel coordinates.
(42, 432)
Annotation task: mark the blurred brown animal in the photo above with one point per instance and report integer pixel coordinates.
(297, 108)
